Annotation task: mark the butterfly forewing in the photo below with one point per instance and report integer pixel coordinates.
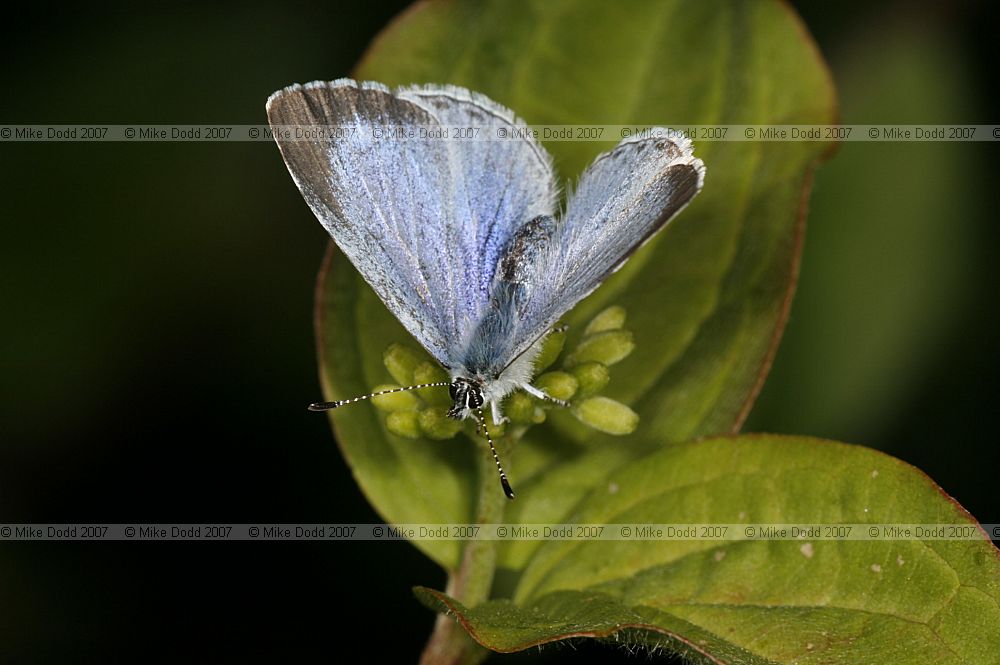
(422, 214)
(508, 177)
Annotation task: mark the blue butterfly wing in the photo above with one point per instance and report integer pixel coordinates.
(623, 198)
(507, 182)
(423, 220)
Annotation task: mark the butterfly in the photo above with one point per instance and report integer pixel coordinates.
(462, 239)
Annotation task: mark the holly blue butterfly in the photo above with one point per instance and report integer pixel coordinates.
(462, 239)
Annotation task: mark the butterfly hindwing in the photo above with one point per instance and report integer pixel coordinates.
(624, 197)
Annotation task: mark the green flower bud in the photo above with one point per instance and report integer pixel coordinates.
(436, 425)
(560, 385)
(401, 360)
(592, 377)
(520, 408)
(401, 401)
(551, 348)
(427, 372)
(606, 347)
(404, 423)
(612, 318)
(606, 415)
(496, 431)
(472, 428)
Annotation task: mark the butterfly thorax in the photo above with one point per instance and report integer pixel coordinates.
(473, 388)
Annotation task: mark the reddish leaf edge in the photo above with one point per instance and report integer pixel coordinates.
(795, 262)
(801, 439)
(439, 601)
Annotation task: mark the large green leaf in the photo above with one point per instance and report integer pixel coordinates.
(886, 270)
(707, 299)
(761, 601)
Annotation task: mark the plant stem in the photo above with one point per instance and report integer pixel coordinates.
(470, 583)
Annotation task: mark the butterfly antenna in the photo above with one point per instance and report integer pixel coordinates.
(326, 406)
(503, 476)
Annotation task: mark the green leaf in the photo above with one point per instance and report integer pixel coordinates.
(505, 627)
(706, 299)
(885, 278)
(760, 601)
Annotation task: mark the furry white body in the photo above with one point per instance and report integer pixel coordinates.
(517, 376)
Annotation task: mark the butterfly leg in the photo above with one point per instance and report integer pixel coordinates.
(535, 392)
(498, 417)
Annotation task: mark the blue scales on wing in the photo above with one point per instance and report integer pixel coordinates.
(623, 198)
(419, 204)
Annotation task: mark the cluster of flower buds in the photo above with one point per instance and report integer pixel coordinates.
(583, 372)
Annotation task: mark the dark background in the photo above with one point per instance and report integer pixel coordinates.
(156, 346)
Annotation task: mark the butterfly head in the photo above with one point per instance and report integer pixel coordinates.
(466, 395)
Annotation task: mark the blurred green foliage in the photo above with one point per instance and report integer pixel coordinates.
(888, 260)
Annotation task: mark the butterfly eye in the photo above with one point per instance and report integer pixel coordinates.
(455, 389)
